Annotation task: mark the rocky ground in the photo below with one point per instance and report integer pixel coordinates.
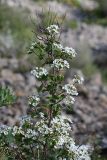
(90, 110)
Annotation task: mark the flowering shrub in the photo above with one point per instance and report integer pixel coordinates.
(44, 134)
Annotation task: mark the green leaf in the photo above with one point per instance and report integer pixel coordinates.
(6, 96)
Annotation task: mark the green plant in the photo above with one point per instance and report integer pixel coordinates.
(44, 134)
(103, 6)
(6, 96)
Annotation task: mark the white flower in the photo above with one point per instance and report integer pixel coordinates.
(78, 79)
(25, 119)
(41, 115)
(30, 133)
(34, 100)
(32, 47)
(60, 64)
(82, 153)
(4, 129)
(39, 72)
(61, 141)
(17, 130)
(70, 89)
(69, 100)
(53, 29)
(58, 46)
(69, 51)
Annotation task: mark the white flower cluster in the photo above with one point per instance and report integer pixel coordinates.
(69, 100)
(42, 128)
(67, 50)
(25, 119)
(21, 130)
(53, 29)
(61, 125)
(60, 64)
(63, 128)
(82, 153)
(79, 152)
(70, 89)
(27, 134)
(31, 133)
(59, 130)
(4, 129)
(58, 125)
(39, 72)
(17, 130)
(58, 46)
(34, 100)
(78, 79)
(33, 45)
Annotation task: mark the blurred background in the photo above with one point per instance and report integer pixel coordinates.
(84, 28)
